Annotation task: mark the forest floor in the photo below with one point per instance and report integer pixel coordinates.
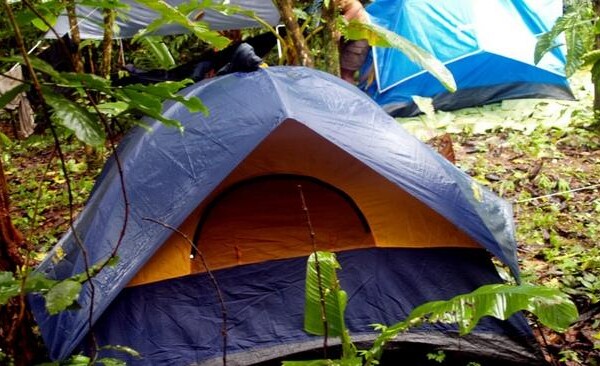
(541, 155)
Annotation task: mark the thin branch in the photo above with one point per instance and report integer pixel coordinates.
(311, 232)
(595, 186)
(545, 341)
(38, 89)
(210, 275)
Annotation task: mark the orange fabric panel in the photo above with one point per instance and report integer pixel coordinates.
(396, 219)
(263, 220)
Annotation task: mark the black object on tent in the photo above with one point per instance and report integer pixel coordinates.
(243, 56)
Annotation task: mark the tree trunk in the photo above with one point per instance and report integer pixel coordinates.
(597, 80)
(301, 51)
(75, 37)
(109, 22)
(11, 240)
(331, 39)
(16, 322)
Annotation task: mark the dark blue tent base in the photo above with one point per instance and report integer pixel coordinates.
(404, 352)
(179, 321)
(485, 95)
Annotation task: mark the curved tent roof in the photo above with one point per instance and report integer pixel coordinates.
(167, 174)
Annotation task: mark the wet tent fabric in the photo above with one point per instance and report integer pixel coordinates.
(133, 16)
(488, 46)
(265, 305)
(169, 173)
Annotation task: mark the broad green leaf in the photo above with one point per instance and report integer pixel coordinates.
(76, 118)
(39, 24)
(83, 80)
(37, 282)
(334, 297)
(173, 15)
(226, 8)
(153, 95)
(62, 296)
(381, 37)
(37, 64)
(550, 306)
(12, 94)
(77, 360)
(9, 287)
(5, 141)
(576, 28)
(108, 361)
(113, 108)
(95, 269)
(161, 52)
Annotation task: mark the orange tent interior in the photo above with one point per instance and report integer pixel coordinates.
(256, 213)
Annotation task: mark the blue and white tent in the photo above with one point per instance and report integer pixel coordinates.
(407, 226)
(487, 45)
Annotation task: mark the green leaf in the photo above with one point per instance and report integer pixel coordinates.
(550, 306)
(334, 298)
(161, 52)
(95, 269)
(37, 282)
(177, 15)
(76, 360)
(381, 37)
(107, 361)
(579, 38)
(9, 287)
(82, 80)
(76, 118)
(148, 99)
(39, 24)
(37, 64)
(113, 108)
(12, 94)
(62, 296)
(5, 141)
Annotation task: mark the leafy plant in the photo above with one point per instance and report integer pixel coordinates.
(438, 356)
(379, 36)
(577, 28)
(59, 295)
(325, 297)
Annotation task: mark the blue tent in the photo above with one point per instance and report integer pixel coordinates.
(487, 45)
(407, 226)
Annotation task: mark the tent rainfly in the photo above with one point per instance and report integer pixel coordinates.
(133, 16)
(407, 226)
(487, 45)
